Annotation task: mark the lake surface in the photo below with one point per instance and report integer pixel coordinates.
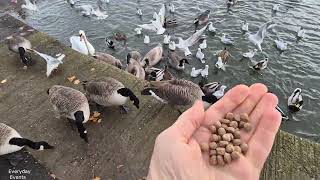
(297, 67)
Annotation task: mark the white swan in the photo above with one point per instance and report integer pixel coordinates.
(257, 38)
(81, 44)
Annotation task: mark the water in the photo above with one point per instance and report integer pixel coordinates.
(296, 67)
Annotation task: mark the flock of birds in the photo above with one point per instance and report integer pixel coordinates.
(163, 86)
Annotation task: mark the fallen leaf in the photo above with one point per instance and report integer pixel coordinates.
(77, 81)
(96, 114)
(71, 78)
(53, 176)
(99, 120)
(3, 81)
(96, 178)
(120, 166)
(92, 69)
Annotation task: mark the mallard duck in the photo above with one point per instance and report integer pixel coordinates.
(72, 104)
(134, 67)
(223, 57)
(120, 37)
(109, 92)
(154, 56)
(11, 141)
(295, 101)
(109, 59)
(261, 64)
(81, 44)
(202, 18)
(177, 92)
(176, 61)
(20, 45)
(109, 43)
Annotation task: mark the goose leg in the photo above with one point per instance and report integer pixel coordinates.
(124, 109)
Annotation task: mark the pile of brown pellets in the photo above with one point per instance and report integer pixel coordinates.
(225, 142)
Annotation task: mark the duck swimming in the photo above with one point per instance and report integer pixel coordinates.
(223, 57)
(258, 66)
(202, 18)
(295, 101)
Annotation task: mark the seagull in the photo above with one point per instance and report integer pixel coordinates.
(166, 39)
(157, 24)
(86, 10)
(258, 37)
(172, 45)
(245, 26)
(100, 13)
(220, 92)
(250, 54)
(71, 2)
(29, 5)
(146, 39)
(52, 63)
(211, 28)
(171, 8)
(281, 45)
(200, 55)
(276, 7)
(185, 44)
(301, 32)
(261, 64)
(226, 40)
(109, 43)
(195, 72)
(138, 30)
(203, 45)
(205, 71)
(139, 12)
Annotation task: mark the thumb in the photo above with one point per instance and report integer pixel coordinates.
(189, 121)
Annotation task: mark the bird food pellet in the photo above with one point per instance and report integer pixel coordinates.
(221, 151)
(215, 138)
(230, 116)
(213, 129)
(244, 117)
(227, 158)
(229, 148)
(230, 129)
(241, 124)
(247, 127)
(224, 126)
(213, 145)
(236, 142)
(236, 134)
(226, 137)
(225, 121)
(204, 147)
(244, 148)
(213, 152)
(221, 131)
(237, 148)
(237, 117)
(220, 160)
(213, 160)
(235, 155)
(233, 124)
(223, 143)
(217, 124)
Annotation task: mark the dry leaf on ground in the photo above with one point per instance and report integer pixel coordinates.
(77, 81)
(71, 78)
(96, 178)
(92, 69)
(3, 81)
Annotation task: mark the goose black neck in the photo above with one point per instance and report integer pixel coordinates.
(210, 98)
(128, 93)
(24, 142)
(22, 53)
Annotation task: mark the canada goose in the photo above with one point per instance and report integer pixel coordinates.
(167, 75)
(295, 101)
(170, 23)
(134, 67)
(153, 56)
(177, 92)
(72, 104)
(109, 59)
(11, 141)
(20, 45)
(202, 18)
(135, 55)
(109, 92)
(176, 61)
(81, 44)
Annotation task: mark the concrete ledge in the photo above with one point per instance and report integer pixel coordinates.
(120, 147)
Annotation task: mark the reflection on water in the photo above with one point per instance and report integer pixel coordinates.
(296, 67)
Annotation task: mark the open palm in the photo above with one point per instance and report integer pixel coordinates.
(177, 153)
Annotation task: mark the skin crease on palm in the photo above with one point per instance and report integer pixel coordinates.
(177, 153)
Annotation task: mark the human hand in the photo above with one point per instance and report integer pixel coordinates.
(177, 153)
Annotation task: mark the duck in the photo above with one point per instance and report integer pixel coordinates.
(135, 55)
(109, 43)
(250, 54)
(81, 44)
(209, 88)
(52, 62)
(171, 8)
(223, 57)
(172, 45)
(170, 23)
(72, 104)
(276, 7)
(226, 39)
(179, 92)
(176, 61)
(203, 18)
(156, 74)
(211, 28)
(166, 39)
(281, 45)
(205, 71)
(139, 12)
(301, 32)
(134, 67)
(295, 101)
(29, 5)
(108, 59)
(120, 37)
(146, 39)
(203, 45)
(200, 56)
(11, 141)
(245, 26)
(138, 30)
(257, 38)
(258, 66)
(154, 56)
(109, 92)
(195, 72)
(21, 46)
